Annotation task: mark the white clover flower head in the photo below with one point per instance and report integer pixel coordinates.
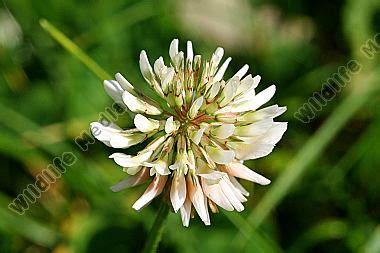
(199, 138)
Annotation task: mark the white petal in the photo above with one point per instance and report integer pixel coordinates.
(132, 181)
(146, 69)
(234, 190)
(185, 211)
(232, 194)
(115, 137)
(263, 97)
(126, 140)
(159, 167)
(139, 106)
(159, 66)
(167, 79)
(267, 112)
(211, 176)
(124, 83)
(132, 170)
(173, 49)
(252, 104)
(271, 136)
(190, 160)
(244, 97)
(220, 156)
(254, 129)
(197, 62)
(238, 185)
(219, 75)
(162, 170)
(215, 193)
(130, 161)
(155, 144)
(206, 156)
(228, 117)
(177, 60)
(248, 83)
(176, 166)
(246, 151)
(144, 124)
(103, 133)
(228, 92)
(170, 125)
(195, 107)
(217, 57)
(203, 166)
(196, 138)
(178, 191)
(223, 131)
(242, 71)
(275, 133)
(153, 190)
(190, 53)
(237, 169)
(213, 91)
(114, 90)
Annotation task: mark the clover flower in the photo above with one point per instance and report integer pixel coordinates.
(198, 139)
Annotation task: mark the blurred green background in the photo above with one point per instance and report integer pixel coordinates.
(325, 190)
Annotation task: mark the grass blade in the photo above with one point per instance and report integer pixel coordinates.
(74, 49)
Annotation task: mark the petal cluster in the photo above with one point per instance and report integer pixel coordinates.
(196, 141)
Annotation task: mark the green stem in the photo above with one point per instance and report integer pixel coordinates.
(155, 233)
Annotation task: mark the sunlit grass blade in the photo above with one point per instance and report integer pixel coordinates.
(74, 49)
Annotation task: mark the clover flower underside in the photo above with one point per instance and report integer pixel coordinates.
(198, 140)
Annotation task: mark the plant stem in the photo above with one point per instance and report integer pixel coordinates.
(155, 233)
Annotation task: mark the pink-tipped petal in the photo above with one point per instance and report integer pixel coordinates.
(153, 190)
(185, 211)
(197, 198)
(178, 191)
(141, 177)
